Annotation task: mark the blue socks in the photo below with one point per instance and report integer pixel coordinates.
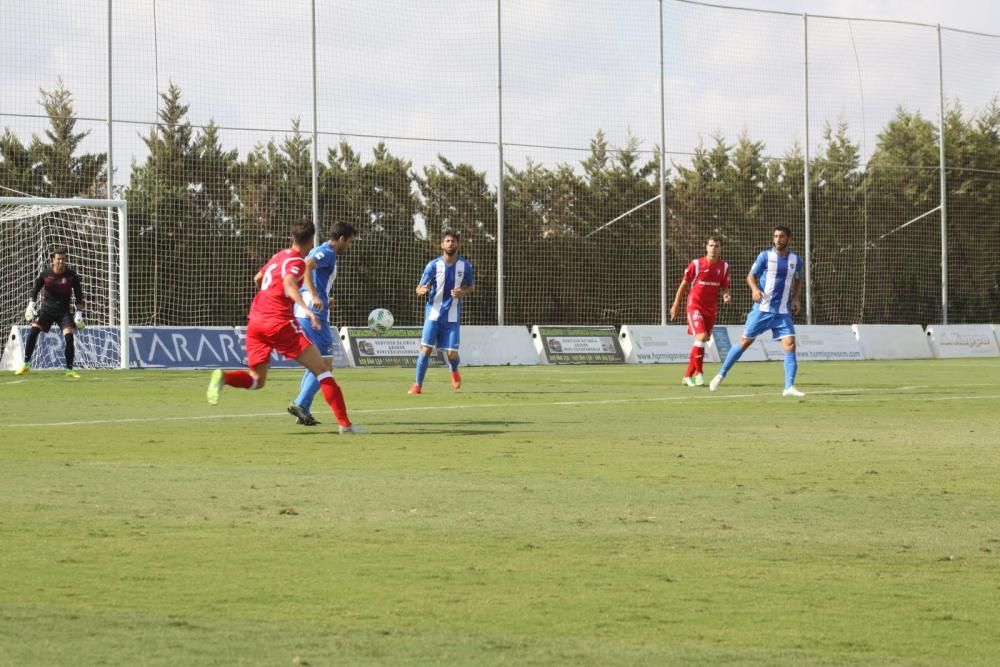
(735, 352)
(307, 390)
(791, 367)
(423, 361)
(452, 365)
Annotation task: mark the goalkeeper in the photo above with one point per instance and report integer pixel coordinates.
(56, 284)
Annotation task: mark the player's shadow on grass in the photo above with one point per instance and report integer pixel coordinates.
(443, 431)
(320, 432)
(431, 428)
(520, 392)
(463, 422)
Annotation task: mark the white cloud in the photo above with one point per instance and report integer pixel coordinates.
(394, 68)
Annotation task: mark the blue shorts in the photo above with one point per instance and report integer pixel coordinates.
(780, 325)
(442, 335)
(323, 339)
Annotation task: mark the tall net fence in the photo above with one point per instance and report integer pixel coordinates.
(875, 129)
(972, 154)
(216, 116)
(735, 140)
(581, 123)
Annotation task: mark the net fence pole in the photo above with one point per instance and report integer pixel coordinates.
(500, 198)
(663, 183)
(317, 234)
(112, 306)
(943, 184)
(807, 182)
(123, 323)
(110, 166)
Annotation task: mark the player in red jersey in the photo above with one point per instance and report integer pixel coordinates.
(706, 276)
(271, 325)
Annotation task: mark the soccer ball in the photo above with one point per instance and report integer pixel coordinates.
(380, 320)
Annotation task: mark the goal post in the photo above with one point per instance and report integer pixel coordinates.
(95, 235)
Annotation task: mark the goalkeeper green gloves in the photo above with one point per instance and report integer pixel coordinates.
(78, 320)
(30, 311)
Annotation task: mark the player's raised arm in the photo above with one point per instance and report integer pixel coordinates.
(311, 285)
(32, 309)
(726, 298)
(37, 287)
(258, 279)
(463, 291)
(78, 291)
(756, 295)
(291, 285)
(676, 305)
(426, 279)
(793, 302)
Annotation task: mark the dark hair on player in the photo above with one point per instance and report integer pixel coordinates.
(303, 230)
(713, 238)
(450, 232)
(342, 230)
(61, 250)
(782, 228)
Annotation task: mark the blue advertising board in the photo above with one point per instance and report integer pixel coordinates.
(149, 347)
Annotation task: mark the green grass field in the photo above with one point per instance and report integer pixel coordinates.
(539, 516)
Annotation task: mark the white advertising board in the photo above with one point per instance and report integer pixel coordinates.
(497, 346)
(398, 346)
(962, 340)
(652, 344)
(817, 342)
(577, 344)
(892, 341)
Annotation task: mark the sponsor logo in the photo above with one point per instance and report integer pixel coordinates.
(957, 339)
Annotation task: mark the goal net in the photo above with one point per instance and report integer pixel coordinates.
(93, 231)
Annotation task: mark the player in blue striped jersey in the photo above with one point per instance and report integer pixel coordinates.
(446, 281)
(775, 280)
(317, 286)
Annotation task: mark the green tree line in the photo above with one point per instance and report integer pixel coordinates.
(203, 219)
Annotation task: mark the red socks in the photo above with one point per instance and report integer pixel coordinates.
(696, 360)
(334, 398)
(331, 391)
(240, 379)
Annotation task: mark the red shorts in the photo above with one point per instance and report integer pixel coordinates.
(285, 336)
(700, 324)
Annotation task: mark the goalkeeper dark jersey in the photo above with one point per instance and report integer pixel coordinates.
(57, 289)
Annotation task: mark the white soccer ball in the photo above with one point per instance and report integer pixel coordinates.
(380, 320)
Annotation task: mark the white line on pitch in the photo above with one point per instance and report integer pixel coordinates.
(869, 399)
(425, 408)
